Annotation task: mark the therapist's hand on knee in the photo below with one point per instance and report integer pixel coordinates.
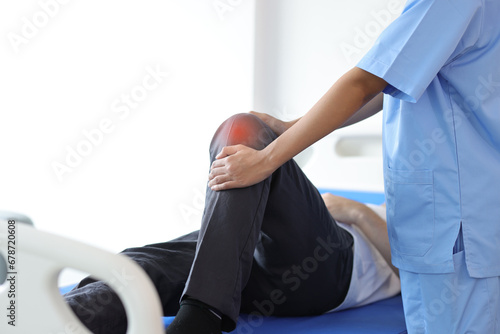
(238, 166)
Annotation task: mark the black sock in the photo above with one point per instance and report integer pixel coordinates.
(195, 317)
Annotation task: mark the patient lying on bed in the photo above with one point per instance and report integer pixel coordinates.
(272, 249)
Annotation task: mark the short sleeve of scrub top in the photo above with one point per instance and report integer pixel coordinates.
(413, 49)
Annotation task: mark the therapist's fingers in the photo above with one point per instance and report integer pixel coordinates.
(218, 182)
(218, 163)
(227, 151)
(225, 186)
(216, 171)
(219, 176)
(237, 166)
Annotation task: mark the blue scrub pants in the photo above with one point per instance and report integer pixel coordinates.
(451, 303)
(269, 249)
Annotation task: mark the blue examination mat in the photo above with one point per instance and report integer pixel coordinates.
(385, 316)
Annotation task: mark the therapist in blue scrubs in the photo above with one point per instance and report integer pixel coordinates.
(438, 65)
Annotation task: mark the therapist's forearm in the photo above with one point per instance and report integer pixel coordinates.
(292, 123)
(371, 108)
(351, 92)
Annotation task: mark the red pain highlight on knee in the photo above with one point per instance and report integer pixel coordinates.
(240, 132)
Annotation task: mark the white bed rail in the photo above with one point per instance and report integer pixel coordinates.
(30, 301)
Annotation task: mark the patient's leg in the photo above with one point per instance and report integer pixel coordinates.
(274, 241)
(283, 222)
(167, 265)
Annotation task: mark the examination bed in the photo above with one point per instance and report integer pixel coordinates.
(39, 307)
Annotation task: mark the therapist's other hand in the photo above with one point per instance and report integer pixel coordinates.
(278, 126)
(237, 166)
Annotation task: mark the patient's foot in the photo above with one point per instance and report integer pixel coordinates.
(195, 317)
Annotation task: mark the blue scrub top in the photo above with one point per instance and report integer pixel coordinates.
(441, 59)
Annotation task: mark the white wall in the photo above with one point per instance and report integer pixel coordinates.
(302, 48)
(67, 66)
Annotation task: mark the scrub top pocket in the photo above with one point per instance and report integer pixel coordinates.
(410, 210)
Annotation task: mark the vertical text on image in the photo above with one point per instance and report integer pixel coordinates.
(12, 274)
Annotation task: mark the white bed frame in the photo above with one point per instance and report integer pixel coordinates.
(39, 306)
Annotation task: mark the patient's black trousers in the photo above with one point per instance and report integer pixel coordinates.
(269, 249)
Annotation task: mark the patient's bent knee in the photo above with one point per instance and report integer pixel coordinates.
(245, 129)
